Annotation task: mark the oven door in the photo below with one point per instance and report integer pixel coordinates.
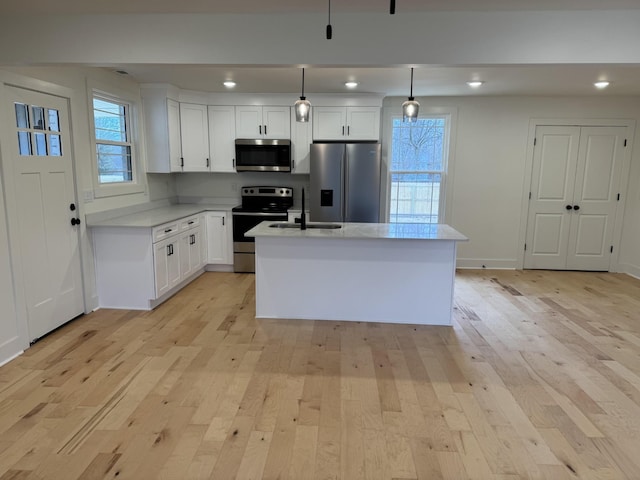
(244, 247)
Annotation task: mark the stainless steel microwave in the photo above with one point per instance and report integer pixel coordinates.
(261, 155)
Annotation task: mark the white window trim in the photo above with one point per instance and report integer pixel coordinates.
(138, 183)
(446, 183)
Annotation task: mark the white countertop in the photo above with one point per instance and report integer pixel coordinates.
(390, 231)
(158, 216)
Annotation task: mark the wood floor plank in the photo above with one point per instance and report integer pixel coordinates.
(538, 378)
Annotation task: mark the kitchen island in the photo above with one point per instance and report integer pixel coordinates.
(369, 272)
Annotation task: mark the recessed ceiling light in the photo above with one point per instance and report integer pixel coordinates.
(351, 84)
(475, 83)
(229, 84)
(601, 85)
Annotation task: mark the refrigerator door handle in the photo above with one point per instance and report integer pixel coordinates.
(345, 182)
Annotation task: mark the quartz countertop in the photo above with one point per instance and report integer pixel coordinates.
(158, 216)
(389, 231)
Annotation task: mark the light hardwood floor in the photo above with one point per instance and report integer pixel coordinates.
(539, 378)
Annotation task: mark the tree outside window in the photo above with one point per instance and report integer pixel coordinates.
(417, 170)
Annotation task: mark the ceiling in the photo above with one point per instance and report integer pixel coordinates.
(392, 80)
(298, 6)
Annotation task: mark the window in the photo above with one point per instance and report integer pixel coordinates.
(113, 140)
(38, 131)
(417, 169)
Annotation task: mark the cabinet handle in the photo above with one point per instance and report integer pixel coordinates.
(169, 250)
(293, 164)
(348, 130)
(168, 230)
(233, 162)
(191, 222)
(182, 161)
(207, 163)
(265, 129)
(260, 129)
(343, 130)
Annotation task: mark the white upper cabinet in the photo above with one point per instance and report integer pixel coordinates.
(162, 130)
(300, 143)
(222, 136)
(263, 122)
(346, 123)
(194, 131)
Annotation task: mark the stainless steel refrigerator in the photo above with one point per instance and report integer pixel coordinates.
(345, 182)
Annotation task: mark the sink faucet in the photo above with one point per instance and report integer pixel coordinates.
(303, 216)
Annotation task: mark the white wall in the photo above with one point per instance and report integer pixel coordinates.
(488, 171)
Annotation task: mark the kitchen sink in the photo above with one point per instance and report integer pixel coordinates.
(328, 226)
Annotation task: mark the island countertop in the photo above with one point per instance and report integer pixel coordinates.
(389, 231)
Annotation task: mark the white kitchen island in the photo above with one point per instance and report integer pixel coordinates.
(369, 272)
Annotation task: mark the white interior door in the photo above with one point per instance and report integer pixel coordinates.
(554, 172)
(576, 172)
(44, 186)
(595, 197)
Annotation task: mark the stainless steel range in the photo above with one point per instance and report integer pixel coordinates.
(258, 204)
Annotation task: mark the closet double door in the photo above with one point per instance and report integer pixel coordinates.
(575, 192)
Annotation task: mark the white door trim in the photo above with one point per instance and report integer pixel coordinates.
(9, 79)
(623, 186)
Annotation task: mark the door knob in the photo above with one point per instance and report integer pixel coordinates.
(576, 207)
(72, 207)
(568, 207)
(75, 221)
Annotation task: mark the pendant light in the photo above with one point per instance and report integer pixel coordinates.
(410, 107)
(302, 106)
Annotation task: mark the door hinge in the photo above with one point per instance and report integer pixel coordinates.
(611, 249)
(618, 197)
(625, 142)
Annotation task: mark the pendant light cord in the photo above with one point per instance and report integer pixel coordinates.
(411, 92)
(302, 84)
(329, 29)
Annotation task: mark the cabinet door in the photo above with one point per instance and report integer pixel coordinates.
(249, 122)
(196, 250)
(185, 253)
(173, 123)
(166, 264)
(276, 122)
(363, 123)
(300, 143)
(329, 123)
(222, 135)
(194, 133)
(218, 245)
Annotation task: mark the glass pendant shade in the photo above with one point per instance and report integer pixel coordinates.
(410, 110)
(410, 107)
(302, 106)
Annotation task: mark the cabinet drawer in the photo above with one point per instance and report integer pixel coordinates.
(189, 222)
(164, 231)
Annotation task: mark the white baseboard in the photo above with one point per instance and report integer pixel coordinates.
(219, 268)
(629, 269)
(4, 361)
(488, 263)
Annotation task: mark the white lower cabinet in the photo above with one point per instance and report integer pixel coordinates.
(219, 238)
(166, 265)
(138, 268)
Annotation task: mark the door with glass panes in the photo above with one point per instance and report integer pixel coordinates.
(47, 214)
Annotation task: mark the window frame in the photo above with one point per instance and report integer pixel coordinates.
(444, 199)
(138, 181)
